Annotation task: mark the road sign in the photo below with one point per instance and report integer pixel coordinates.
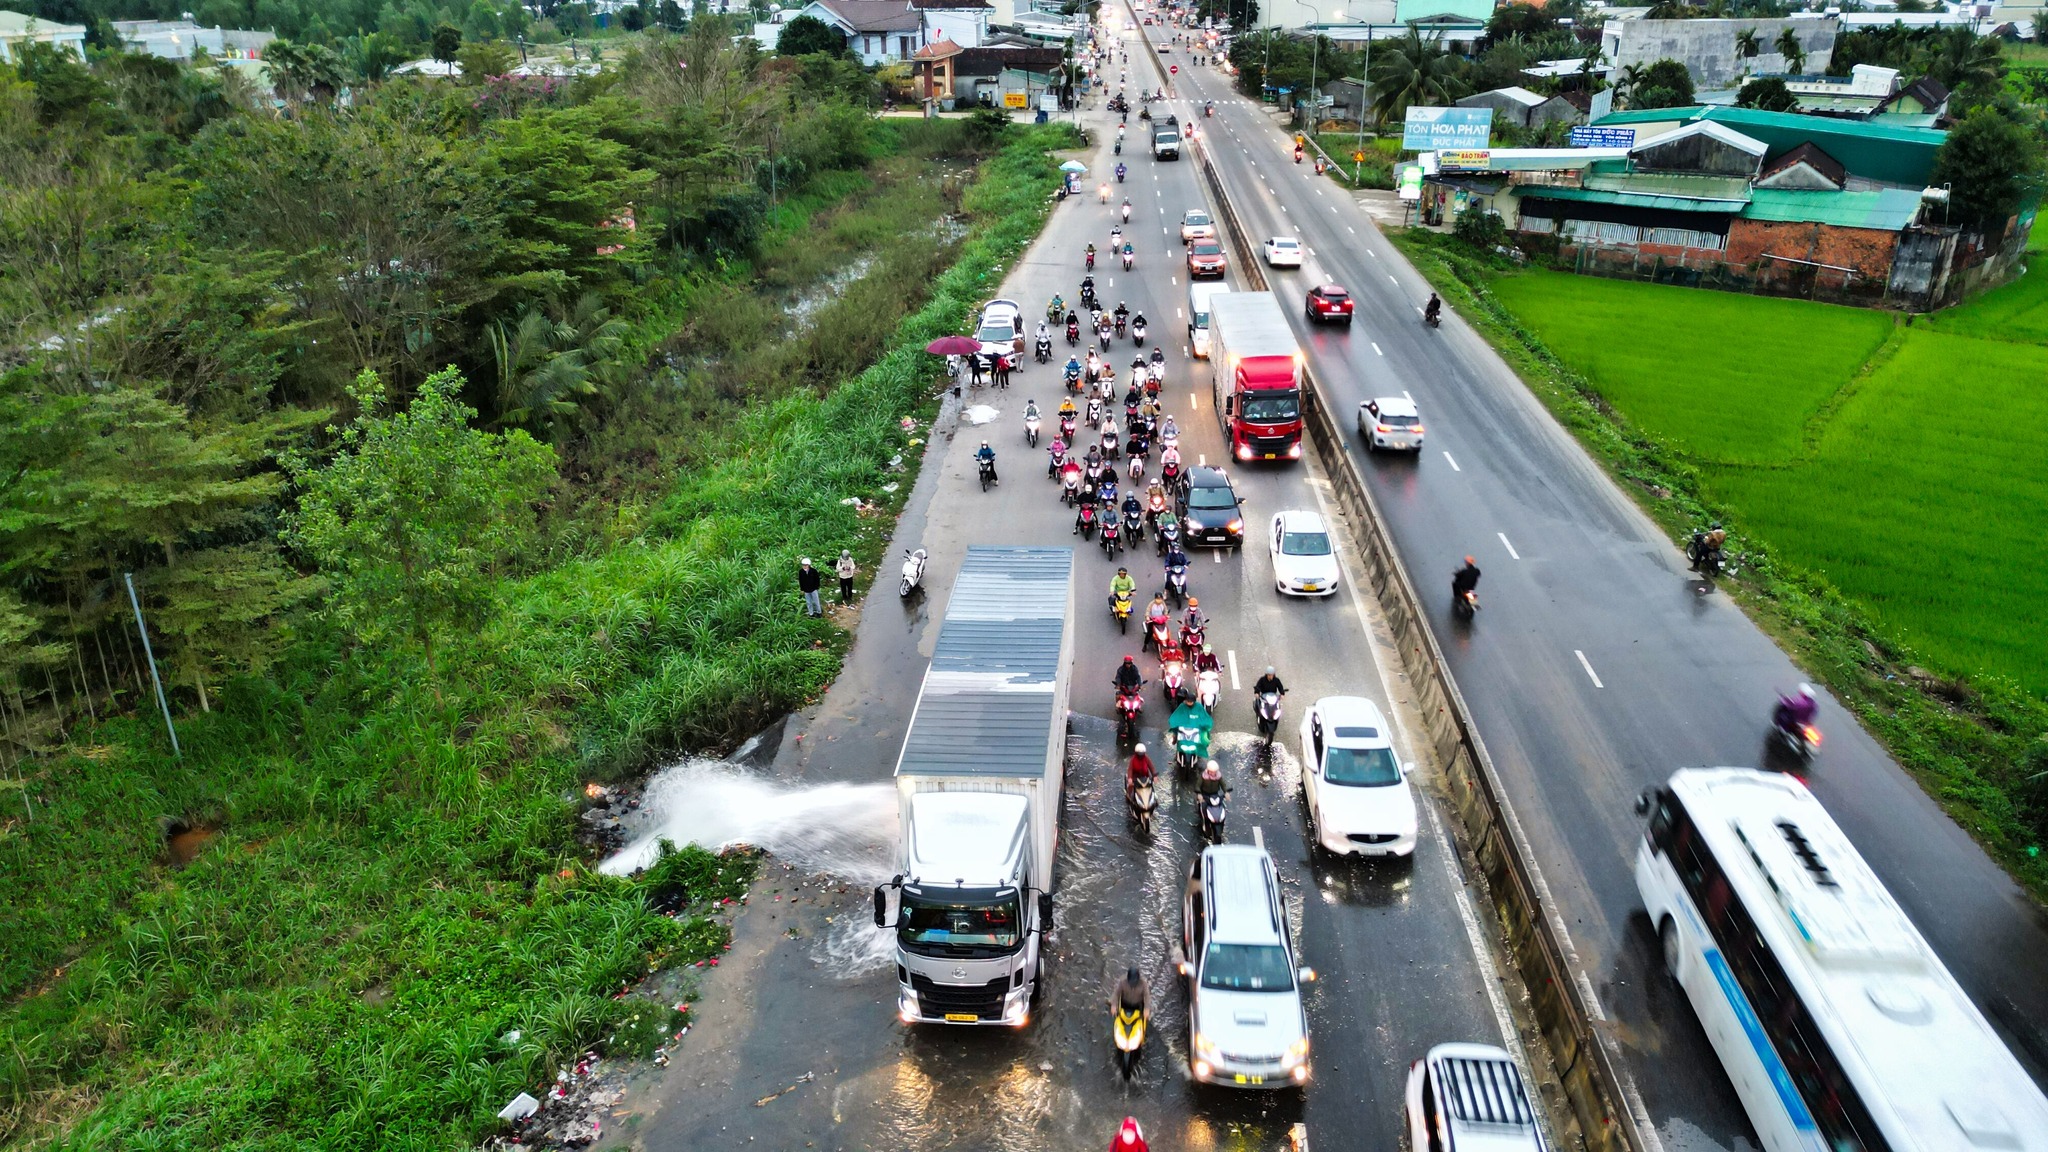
(1434, 129)
(1587, 137)
(1173, 69)
(1015, 99)
(1474, 160)
(1358, 157)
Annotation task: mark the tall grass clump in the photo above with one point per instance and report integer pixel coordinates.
(395, 889)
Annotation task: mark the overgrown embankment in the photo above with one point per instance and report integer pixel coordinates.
(395, 886)
(1924, 525)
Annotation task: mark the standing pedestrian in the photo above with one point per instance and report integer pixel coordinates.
(1002, 371)
(847, 570)
(974, 370)
(808, 580)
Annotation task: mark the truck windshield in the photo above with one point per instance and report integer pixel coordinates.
(961, 924)
(1271, 408)
(1247, 968)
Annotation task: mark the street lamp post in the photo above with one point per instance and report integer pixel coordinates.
(1314, 58)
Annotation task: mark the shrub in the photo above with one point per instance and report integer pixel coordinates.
(1481, 227)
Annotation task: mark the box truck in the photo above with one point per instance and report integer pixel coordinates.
(1255, 365)
(978, 786)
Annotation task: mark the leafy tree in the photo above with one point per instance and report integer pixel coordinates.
(1969, 65)
(1523, 20)
(1413, 71)
(417, 512)
(65, 89)
(1767, 93)
(304, 72)
(1748, 44)
(445, 44)
(483, 60)
(549, 366)
(1992, 164)
(1664, 84)
(1794, 53)
(561, 186)
(369, 58)
(1480, 227)
(807, 34)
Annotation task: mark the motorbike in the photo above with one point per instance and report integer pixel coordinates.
(1129, 707)
(913, 572)
(1137, 466)
(1130, 258)
(1127, 1029)
(1112, 543)
(1073, 332)
(1297, 155)
(1157, 633)
(1143, 800)
(1044, 349)
(988, 474)
(1137, 326)
(1173, 682)
(1088, 300)
(1055, 309)
(1070, 487)
(1121, 323)
(1193, 636)
(1111, 449)
(1209, 109)
(1212, 817)
(1190, 748)
(1103, 333)
(1464, 603)
(1268, 708)
(1058, 457)
(1177, 587)
(1067, 428)
(1084, 521)
(1433, 319)
(1167, 536)
(1208, 688)
(1088, 261)
(1120, 607)
(1800, 741)
(1170, 472)
(1134, 526)
(1708, 559)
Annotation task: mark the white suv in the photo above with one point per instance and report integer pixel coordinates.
(1469, 1097)
(1196, 225)
(1246, 1027)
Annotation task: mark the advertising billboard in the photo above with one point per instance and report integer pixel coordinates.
(1435, 129)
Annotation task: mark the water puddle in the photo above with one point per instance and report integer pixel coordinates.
(805, 308)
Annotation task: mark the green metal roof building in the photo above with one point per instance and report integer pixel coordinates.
(1888, 153)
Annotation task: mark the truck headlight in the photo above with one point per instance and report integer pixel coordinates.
(1205, 1048)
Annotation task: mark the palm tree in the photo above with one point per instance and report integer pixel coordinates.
(1959, 58)
(1794, 54)
(300, 72)
(1626, 81)
(549, 365)
(1413, 71)
(1748, 44)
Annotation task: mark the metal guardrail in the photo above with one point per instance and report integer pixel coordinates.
(1585, 1058)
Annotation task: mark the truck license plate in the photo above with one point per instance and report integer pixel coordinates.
(1272, 455)
(1244, 1079)
(961, 1017)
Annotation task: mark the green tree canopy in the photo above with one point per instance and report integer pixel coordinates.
(1768, 93)
(1524, 20)
(1992, 165)
(1413, 71)
(807, 34)
(446, 44)
(1664, 84)
(417, 512)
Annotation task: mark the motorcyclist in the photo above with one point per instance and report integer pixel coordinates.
(1092, 463)
(1133, 507)
(1175, 558)
(1121, 586)
(1072, 376)
(1031, 410)
(987, 456)
(1268, 683)
(1054, 309)
(1157, 612)
(1139, 771)
(1207, 661)
(1465, 579)
(1057, 460)
(1087, 289)
(1129, 1137)
(1137, 318)
(1211, 783)
(1128, 678)
(1120, 170)
(1089, 257)
(1194, 618)
(1044, 333)
(1067, 409)
(1433, 309)
(1127, 208)
(1104, 193)
(1797, 710)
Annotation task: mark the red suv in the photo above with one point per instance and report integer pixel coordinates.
(1329, 302)
(1205, 258)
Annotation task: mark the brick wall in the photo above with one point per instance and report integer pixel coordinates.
(1867, 250)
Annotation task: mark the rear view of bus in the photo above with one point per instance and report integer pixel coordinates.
(1840, 1028)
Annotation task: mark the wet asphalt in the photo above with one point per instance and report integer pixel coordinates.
(796, 1044)
(1598, 664)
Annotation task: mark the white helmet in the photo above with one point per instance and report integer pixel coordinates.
(1806, 691)
(1212, 769)
(1139, 750)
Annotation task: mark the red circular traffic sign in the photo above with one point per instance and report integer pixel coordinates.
(1173, 69)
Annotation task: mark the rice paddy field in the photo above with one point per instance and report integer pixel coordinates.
(1904, 464)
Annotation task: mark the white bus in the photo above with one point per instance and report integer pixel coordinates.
(1840, 1028)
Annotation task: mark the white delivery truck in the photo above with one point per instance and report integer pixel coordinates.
(1198, 316)
(1166, 139)
(979, 785)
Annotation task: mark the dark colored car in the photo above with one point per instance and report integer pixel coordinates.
(1212, 512)
(1205, 258)
(1330, 302)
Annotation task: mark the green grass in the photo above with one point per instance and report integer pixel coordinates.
(1894, 556)
(1927, 503)
(2017, 311)
(1731, 378)
(395, 887)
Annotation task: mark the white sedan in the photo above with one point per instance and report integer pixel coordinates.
(1283, 252)
(1358, 795)
(1304, 561)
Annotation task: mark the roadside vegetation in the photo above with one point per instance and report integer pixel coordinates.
(1880, 475)
(461, 444)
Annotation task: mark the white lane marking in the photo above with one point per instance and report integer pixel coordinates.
(1390, 277)
(1454, 463)
(1201, 461)
(1173, 280)
(1350, 229)
(1588, 666)
(1510, 547)
(1376, 348)
(1232, 653)
(1407, 397)
(1219, 555)
(1371, 253)
(1194, 401)
(1176, 316)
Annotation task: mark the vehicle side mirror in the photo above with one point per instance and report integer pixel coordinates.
(881, 906)
(1308, 975)
(1045, 910)
(1643, 802)
(1229, 402)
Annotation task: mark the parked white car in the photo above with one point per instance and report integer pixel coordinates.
(1464, 1096)
(1283, 252)
(1002, 328)
(1390, 422)
(1304, 558)
(1358, 795)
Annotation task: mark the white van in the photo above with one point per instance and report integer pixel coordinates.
(1246, 1027)
(1198, 316)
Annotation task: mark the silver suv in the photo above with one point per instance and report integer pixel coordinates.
(1469, 1098)
(1246, 1027)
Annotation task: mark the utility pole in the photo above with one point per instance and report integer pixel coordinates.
(161, 701)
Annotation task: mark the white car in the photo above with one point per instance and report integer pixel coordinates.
(1390, 422)
(1002, 328)
(1196, 225)
(1283, 252)
(1304, 560)
(1464, 1096)
(1358, 795)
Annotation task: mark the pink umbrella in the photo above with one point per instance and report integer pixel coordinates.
(954, 346)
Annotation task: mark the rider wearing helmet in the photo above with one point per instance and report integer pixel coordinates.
(1206, 661)
(1211, 783)
(1121, 586)
(987, 455)
(1465, 579)
(1270, 682)
(1139, 771)
(1128, 678)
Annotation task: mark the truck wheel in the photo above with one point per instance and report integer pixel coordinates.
(1667, 935)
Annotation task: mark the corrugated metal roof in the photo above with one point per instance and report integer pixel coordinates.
(1889, 152)
(1732, 188)
(1633, 199)
(1887, 210)
(988, 701)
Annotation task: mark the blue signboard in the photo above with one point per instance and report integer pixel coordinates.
(1586, 137)
(1434, 129)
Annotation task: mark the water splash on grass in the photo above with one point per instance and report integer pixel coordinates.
(848, 830)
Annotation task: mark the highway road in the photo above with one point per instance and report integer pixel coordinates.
(1399, 947)
(1595, 667)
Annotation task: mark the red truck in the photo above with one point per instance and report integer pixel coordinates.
(1257, 376)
